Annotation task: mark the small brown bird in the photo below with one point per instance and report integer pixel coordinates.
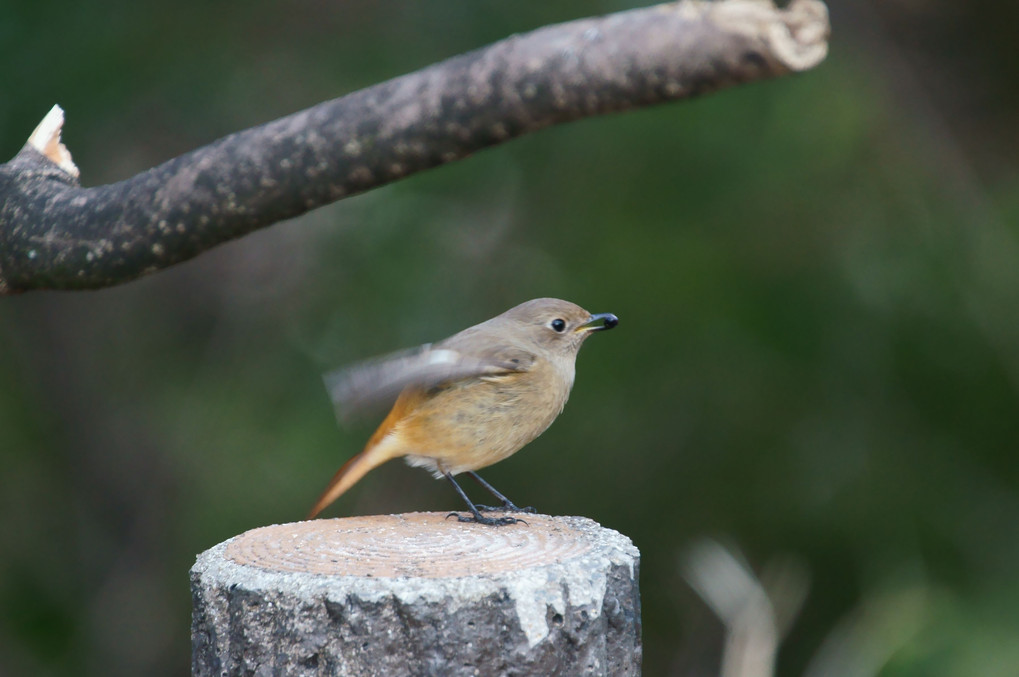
(469, 401)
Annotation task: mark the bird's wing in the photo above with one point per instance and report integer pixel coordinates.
(368, 385)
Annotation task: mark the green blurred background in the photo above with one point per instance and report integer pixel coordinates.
(818, 358)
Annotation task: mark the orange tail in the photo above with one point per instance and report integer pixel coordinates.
(345, 478)
(376, 452)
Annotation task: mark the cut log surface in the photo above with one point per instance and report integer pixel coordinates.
(418, 594)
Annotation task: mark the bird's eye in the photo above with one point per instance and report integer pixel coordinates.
(558, 325)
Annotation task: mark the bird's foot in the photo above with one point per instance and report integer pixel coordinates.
(506, 507)
(489, 521)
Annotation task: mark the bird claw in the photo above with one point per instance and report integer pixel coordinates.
(489, 521)
(508, 507)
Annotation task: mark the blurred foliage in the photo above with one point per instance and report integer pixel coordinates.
(819, 349)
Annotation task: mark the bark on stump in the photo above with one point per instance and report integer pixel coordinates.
(417, 594)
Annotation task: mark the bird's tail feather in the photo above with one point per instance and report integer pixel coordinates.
(345, 478)
(380, 448)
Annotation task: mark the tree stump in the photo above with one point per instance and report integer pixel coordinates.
(418, 594)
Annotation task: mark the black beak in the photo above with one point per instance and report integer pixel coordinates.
(599, 322)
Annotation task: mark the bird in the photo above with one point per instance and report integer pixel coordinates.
(468, 401)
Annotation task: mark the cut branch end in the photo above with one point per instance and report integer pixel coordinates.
(46, 139)
(797, 36)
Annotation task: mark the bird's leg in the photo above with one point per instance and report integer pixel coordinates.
(507, 505)
(476, 515)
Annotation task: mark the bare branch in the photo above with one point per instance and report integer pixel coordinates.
(55, 234)
(756, 615)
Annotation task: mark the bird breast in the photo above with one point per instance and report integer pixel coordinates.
(471, 424)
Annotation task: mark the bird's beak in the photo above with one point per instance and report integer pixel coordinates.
(599, 322)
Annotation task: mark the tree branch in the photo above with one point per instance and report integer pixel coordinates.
(54, 234)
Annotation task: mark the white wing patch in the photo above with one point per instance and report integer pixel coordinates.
(442, 356)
